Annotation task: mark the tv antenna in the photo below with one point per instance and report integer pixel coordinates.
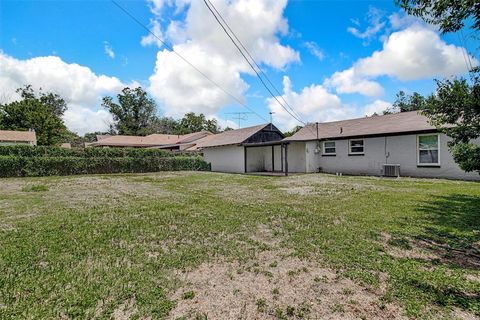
(239, 116)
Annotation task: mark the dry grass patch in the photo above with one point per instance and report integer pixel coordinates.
(273, 286)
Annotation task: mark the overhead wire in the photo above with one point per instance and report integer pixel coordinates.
(166, 45)
(209, 6)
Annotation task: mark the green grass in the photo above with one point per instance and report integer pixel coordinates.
(84, 245)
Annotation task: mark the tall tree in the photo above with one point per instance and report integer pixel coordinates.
(406, 103)
(41, 111)
(455, 109)
(448, 15)
(193, 123)
(135, 112)
(455, 106)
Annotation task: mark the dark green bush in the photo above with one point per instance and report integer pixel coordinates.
(46, 151)
(11, 166)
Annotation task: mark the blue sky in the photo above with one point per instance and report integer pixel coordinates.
(330, 59)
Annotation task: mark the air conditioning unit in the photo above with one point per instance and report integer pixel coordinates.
(391, 170)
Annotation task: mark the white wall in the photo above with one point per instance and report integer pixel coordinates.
(297, 157)
(400, 150)
(225, 158)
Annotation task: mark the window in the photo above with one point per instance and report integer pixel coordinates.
(329, 148)
(428, 147)
(356, 147)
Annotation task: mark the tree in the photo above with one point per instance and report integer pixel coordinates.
(448, 15)
(39, 111)
(406, 103)
(135, 112)
(165, 125)
(293, 131)
(455, 109)
(194, 123)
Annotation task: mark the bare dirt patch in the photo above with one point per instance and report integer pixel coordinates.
(126, 310)
(273, 286)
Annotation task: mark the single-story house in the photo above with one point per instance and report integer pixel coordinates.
(163, 141)
(10, 137)
(396, 144)
(252, 149)
(401, 144)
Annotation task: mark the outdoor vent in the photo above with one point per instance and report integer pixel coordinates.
(391, 170)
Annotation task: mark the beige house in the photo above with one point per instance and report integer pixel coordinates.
(161, 141)
(10, 137)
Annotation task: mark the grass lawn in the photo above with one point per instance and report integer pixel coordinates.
(193, 245)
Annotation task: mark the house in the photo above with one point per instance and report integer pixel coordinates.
(374, 146)
(9, 137)
(162, 141)
(252, 149)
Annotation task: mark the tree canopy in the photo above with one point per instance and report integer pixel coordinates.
(41, 111)
(135, 112)
(448, 15)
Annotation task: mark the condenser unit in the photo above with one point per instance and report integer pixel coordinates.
(391, 170)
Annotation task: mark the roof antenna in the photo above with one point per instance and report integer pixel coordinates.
(271, 119)
(341, 129)
(317, 129)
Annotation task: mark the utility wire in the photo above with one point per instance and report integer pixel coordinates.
(251, 65)
(184, 59)
(256, 64)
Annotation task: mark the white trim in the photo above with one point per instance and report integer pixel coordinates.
(329, 153)
(418, 150)
(350, 146)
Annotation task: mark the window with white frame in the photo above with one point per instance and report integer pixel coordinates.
(329, 148)
(428, 146)
(356, 146)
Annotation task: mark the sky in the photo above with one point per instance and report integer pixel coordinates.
(328, 59)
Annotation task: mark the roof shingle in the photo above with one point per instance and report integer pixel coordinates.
(18, 136)
(375, 125)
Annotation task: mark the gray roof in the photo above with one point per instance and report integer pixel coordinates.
(231, 137)
(403, 122)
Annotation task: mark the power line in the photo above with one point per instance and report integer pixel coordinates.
(184, 59)
(250, 56)
(248, 61)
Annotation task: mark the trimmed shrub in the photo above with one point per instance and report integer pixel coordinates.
(47, 151)
(47, 166)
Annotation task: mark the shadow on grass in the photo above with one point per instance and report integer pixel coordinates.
(453, 231)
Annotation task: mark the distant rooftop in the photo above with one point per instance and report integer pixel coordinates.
(18, 136)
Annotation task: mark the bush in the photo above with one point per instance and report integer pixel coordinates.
(15, 166)
(46, 151)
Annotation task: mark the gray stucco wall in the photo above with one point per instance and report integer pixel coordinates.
(225, 158)
(400, 150)
(296, 157)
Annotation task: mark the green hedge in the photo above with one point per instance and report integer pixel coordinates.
(46, 151)
(11, 166)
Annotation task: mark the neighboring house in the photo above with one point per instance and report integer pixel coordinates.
(8, 137)
(364, 146)
(251, 149)
(162, 141)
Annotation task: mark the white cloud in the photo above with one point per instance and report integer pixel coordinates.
(348, 81)
(108, 50)
(313, 103)
(376, 107)
(155, 37)
(375, 25)
(78, 85)
(416, 52)
(314, 49)
(258, 24)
